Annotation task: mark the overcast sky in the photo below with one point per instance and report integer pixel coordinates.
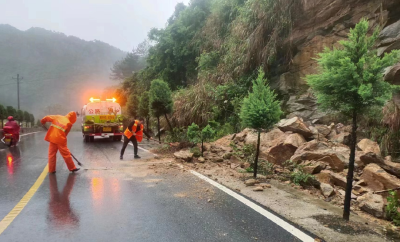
(121, 23)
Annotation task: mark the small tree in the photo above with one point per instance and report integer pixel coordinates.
(32, 119)
(160, 101)
(260, 110)
(3, 114)
(11, 111)
(351, 81)
(26, 116)
(196, 135)
(144, 110)
(132, 105)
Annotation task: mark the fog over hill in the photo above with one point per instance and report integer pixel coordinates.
(56, 68)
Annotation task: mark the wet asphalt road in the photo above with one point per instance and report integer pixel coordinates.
(113, 200)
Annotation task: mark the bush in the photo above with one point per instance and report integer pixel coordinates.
(392, 208)
(178, 135)
(196, 151)
(301, 178)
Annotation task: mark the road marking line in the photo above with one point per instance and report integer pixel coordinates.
(7, 220)
(280, 222)
(30, 133)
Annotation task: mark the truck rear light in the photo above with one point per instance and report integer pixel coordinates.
(87, 127)
(121, 127)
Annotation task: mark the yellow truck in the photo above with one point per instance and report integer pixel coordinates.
(102, 119)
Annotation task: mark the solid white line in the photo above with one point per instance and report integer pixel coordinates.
(280, 222)
(30, 133)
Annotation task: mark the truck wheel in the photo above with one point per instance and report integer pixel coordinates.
(87, 138)
(91, 138)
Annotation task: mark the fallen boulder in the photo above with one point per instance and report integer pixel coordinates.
(368, 145)
(314, 150)
(295, 140)
(323, 129)
(389, 166)
(378, 179)
(296, 126)
(372, 204)
(326, 189)
(184, 155)
(313, 167)
(342, 138)
(338, 180)
(324, 177)
(250, 182)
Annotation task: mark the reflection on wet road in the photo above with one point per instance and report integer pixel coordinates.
(113, 200)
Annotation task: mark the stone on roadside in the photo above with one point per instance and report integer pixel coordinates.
(250, 182)
(342, 138)
(295, 140)
(201, 160)
(386, 164)
(258, 189)
(324, 177)
(185, 155)
(338, 180)
(296, 126)
(265, 185)
(334, 156)
(368, 145)
(372, 204)
(314, 167)
(327, 190)
(378, 179)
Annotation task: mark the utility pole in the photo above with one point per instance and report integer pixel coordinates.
(18, 79)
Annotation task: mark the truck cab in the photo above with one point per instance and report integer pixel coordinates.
(103, 119)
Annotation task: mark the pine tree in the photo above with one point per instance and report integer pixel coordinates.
(160, 101)
(351, 81)
(260, 110)
(143, 109)
(196, 135)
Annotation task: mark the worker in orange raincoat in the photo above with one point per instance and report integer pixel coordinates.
(57, 136)
(134, 133)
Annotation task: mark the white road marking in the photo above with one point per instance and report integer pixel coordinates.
(30, 133)
(278, 221)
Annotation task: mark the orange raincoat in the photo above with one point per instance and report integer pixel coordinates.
(57, 136)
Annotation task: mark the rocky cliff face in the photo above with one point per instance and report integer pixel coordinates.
(322, 23)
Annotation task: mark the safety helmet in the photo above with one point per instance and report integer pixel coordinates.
(10, 118)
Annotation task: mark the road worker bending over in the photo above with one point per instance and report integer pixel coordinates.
(57, 136)
(134, 133)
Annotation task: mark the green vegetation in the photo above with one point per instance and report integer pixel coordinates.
(160, 101)
(21, 116)
(301, 178)
(197, 135)
(351, 82)
(392, 208)
(260, 110)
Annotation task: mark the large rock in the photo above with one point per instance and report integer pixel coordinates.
(334, 156)
(324, 177)
(323, 129)
(184, 155)
(389, 166)
(295, 140)
(304, 106)
(378, 179)
(372, 204)
(269, 139)
(342, 138)
(338, 180)
(284, 148)
(295, 125)
(326, 189)
(314, 167)
(368, 145)
(389, 38)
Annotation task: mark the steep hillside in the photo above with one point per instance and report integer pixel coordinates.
(57, 69)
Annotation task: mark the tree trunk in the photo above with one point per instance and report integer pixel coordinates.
(258, 151)
(148, 124)
(159, 132)
(169, 124)
(202, 147)
(350, 174)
